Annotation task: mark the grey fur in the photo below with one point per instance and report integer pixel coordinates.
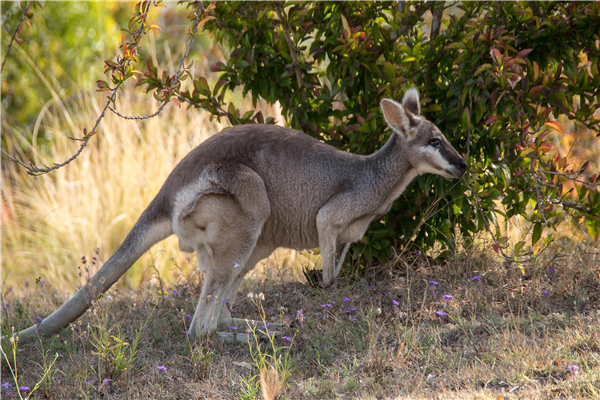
(253, 188)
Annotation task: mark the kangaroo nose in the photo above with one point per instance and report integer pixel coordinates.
(462, 164)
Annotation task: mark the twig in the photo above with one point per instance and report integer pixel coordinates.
(536, 188)
(566, 175)
(23, 15)
(577, 207)
(35, 171)
(175, 81)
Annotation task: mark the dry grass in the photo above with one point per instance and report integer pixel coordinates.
(503, 337)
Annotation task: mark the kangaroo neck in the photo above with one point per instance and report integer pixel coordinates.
(391, 168)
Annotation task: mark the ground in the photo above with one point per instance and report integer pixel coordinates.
(386, 332)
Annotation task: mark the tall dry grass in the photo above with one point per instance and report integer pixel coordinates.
(55, 219)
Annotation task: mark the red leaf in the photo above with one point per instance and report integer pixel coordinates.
(496, 55)
(176, 101)
(584, 167)
(524, 53)
(492, 119)
(496, 247)
(217, 67)
(555, 125)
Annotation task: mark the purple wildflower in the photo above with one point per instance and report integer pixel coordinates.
(161, 368)
(416, 252)
(573, 370)
(6, 385)
(443, 315)
(187, 316)
(396, 303)
(38, 320)
(447, 297)
(24, 389)
(106, 381)
(265, 325)
(236, 265)
(233, 327)
(226, 301)
(433, 283)
(287, 338)
(174, 291)
(5, 306)
(87, 383)
(270, 310)
(476, 278)
(350, 309)
(345, 299)
(326, 305)
(545, 293)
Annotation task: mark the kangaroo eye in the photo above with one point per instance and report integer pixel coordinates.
(435, 142)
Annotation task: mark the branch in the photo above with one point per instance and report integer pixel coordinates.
(577, 207)
(175, 81)
(436, 21)
(567, 175)
(15, 34)
(35, 171)
(288, 39)
(534, 8)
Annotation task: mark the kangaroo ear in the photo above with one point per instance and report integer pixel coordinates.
(410, 101)
(395, 116)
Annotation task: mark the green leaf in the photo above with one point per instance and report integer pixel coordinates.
(537, 233)
(201, 86)
(482, 68)
(456, 46)
(519, 246)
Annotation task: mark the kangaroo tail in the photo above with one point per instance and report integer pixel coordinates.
(147, 231)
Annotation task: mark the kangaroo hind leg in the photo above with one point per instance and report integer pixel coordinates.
(224, 230)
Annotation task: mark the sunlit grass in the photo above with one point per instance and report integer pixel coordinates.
(55, 219)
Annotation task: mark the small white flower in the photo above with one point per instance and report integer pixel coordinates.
(250, 295)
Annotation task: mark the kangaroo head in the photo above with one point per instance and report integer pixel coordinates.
(425, 146)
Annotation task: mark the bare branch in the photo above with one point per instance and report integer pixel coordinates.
(35, 171)
(23, 15)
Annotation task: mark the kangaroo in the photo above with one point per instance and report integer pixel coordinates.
(252, 188)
